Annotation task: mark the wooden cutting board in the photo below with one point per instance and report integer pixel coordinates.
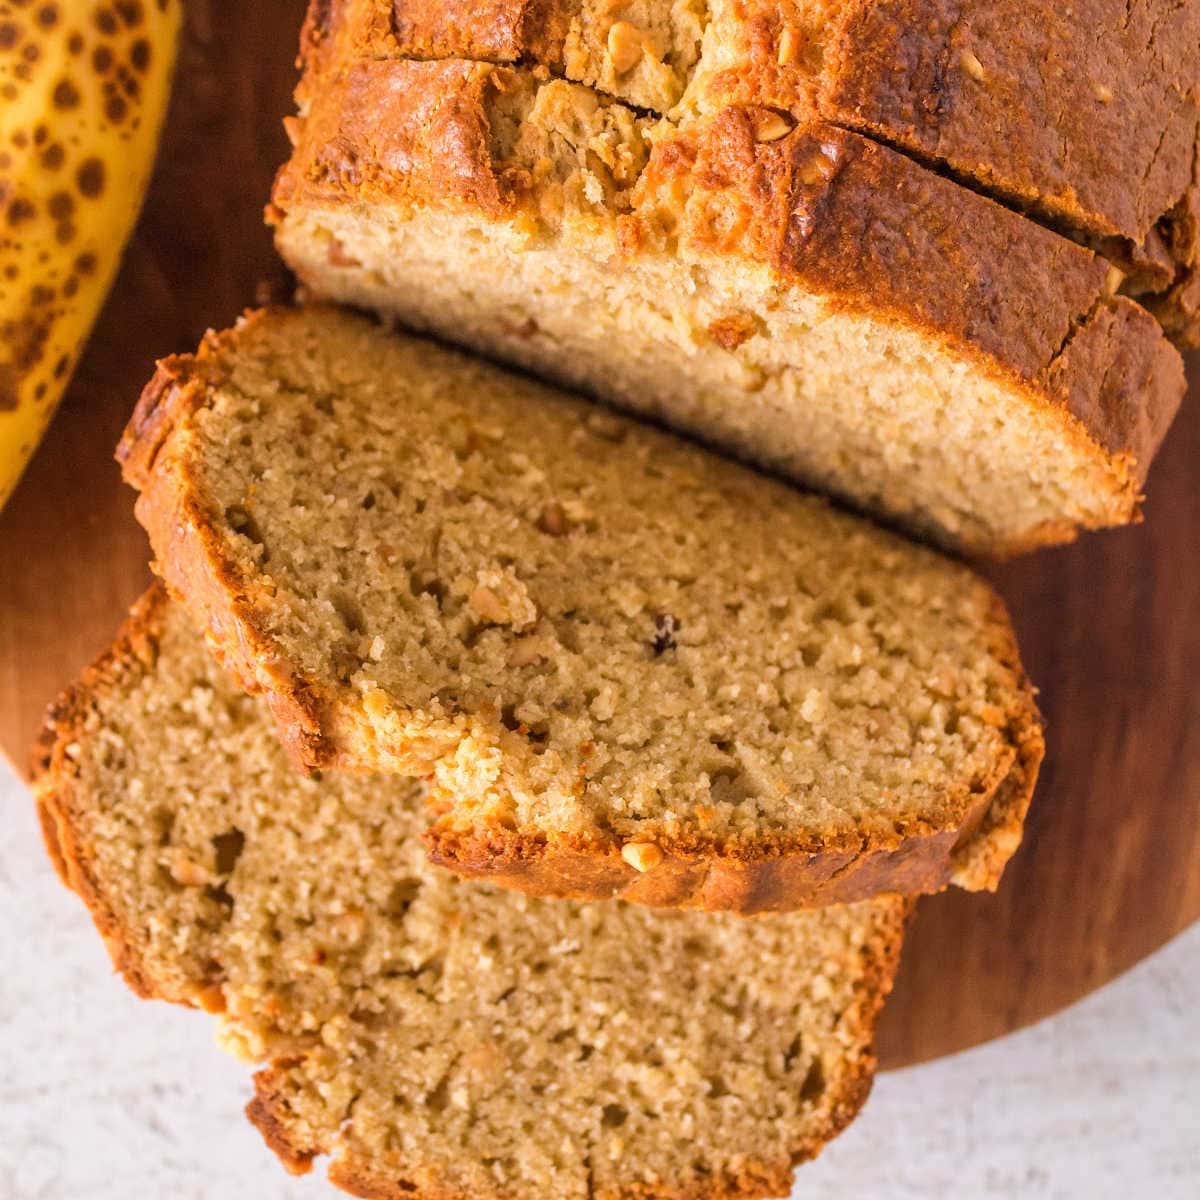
(1111, 864)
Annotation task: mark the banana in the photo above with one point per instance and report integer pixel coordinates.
(83, 92)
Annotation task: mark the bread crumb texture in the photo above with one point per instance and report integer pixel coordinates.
(587, 632)
(440, 1038)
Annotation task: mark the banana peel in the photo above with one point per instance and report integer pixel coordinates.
(84, 87)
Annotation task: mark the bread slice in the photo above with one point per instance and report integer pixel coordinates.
(1087, 117)
(630, 666)
(440, 1038)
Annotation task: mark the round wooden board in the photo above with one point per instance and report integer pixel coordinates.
(1110, 868)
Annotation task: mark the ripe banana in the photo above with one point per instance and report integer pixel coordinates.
(83, 92)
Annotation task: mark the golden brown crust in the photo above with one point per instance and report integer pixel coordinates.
(492, 31)
(1088, 118)
(1120, 382)
(1086, 110)
(980, 857)
(432, 148)
(880, 958)
(498, 30)
(709, 878)
(767, 877)
(828, 210)
(266, 1112)
(196, 562)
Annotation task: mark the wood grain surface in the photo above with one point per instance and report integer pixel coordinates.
(1111, 864)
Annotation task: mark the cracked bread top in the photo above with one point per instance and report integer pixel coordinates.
(1087, 117)
(629, 665)
(656, 1053)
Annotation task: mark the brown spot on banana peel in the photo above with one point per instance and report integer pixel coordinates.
(10, 379)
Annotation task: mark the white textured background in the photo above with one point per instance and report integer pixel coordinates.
(105, 1097)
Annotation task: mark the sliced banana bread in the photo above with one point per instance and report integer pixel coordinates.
(629, 665)
(1085, 116)
(788, 289)
(440, 1038)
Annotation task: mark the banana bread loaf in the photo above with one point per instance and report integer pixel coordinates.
(1087, 116)
(440, 1038)
(781, 286)
(629, 665)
